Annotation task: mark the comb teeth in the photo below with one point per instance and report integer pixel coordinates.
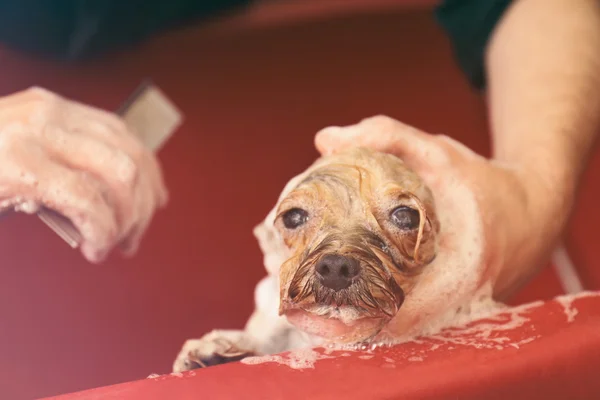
(150, 113)
(61, 226)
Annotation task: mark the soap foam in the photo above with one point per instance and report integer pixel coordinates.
(482, 325)
(451, 305)
(295, 359)
(566, 301)
(20, 204)
(455, 277)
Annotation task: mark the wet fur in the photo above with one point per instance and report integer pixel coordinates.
(375, 292)
(347, 194)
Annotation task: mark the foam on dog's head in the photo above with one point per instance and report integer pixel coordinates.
(442, 285)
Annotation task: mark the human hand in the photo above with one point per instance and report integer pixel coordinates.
(82, 162)
(519, 226)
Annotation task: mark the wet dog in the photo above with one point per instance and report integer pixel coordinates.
(345, 246)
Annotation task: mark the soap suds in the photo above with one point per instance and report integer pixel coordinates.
(484, 331)
(172, 375)
(295, 359)
(450, 307)
(566, 302)
(20, 204)
(479, 326)
(482, 325)
(524, 341)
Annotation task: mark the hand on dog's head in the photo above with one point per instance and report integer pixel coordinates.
(356, 228)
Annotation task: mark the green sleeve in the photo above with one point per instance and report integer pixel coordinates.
(469, 25)
(75, 29)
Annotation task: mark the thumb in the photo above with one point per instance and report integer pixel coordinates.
(334, 139)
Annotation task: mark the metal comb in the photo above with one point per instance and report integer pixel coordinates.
(150, 113)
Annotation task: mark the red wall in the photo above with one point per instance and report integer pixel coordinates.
(253, 101)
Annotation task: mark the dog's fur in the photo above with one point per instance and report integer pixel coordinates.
(348, 199)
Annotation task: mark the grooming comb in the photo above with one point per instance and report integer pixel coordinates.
(150, 113)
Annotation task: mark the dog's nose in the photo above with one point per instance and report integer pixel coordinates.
(336, 271)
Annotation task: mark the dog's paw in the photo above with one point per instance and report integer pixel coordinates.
(217, 347)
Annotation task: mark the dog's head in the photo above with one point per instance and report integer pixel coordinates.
(352, 235)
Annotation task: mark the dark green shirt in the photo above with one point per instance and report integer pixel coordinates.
(469, 24)
(77, 29)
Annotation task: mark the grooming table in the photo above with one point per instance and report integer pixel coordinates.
(547, 350)
(269, 77)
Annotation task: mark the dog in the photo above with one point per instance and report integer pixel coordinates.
(351, 250)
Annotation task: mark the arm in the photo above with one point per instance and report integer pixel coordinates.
(543, 77)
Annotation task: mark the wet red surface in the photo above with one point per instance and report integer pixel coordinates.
(542, 356)
(253, 98)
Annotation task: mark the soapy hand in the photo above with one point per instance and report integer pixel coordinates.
(517, 236)
(82, 162)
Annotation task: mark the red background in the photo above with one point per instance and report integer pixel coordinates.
(254, 91)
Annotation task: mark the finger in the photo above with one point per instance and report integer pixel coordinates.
(26, 96)
(110, 165)
(74, 194)
(99, 142)
(131, 244)
(146, 205)
(112, 130)
(159, 188)
(378, 132)
(42, 109)
(150, 190)
(77, 196)
(30, 108)
(383, 134)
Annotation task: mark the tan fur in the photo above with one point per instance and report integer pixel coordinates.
(349, 198)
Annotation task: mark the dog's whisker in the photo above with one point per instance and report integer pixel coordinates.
(367, 299)
(375, 294)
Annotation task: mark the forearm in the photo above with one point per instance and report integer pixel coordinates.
(543, 67)
(543, 74)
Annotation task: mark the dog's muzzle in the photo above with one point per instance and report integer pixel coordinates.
(345, 270)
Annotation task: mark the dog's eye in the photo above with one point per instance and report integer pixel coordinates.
(405, 218)
(294, 218)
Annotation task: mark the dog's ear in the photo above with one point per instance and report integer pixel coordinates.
(419, 248)
(273, 248)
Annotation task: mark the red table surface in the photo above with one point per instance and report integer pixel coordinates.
(254, 89)
(554, 355)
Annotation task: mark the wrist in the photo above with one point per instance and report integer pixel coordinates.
(549, 195)
(533, 232)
